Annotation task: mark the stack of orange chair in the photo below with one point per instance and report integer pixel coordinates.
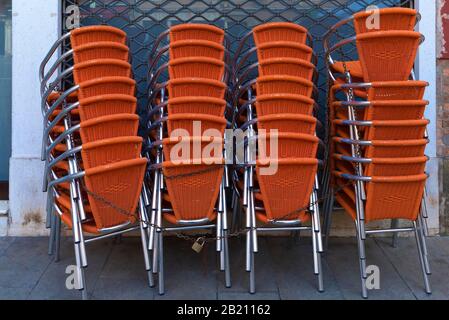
(196, 109)
(278, 107)
(393, 106)
(111, 149)
(378, 131)
(285, 103)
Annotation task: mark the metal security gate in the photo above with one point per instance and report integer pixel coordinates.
(144, 20)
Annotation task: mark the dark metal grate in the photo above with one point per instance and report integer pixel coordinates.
(144, 20)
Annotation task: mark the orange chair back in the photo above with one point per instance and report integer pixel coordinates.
(107, 85)
(287, 66)
(289, 189)
(100, 50)
(387, 55)
(193, 189)
(192, 31)
(199, 87)
(107, 127)
(284, 49)
(109, 151)
(90, 34)
(104, 105)
(119, 183)
(279, 31)
(388, 18)
(100, 68)
(196, 48)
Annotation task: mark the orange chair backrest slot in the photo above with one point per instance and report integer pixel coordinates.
(284, 49)
(100, 50)
(196, 48)
(198, 67)
(104, 105)
(192, 31)
(100, 68)
(91, 34)
(197, 105)
(107, 85)
(200, 87)
(108, 151)
(101, 128)
(279, 31)
(287, 66)
(387, 18)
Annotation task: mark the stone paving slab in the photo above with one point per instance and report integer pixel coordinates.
(283, 270)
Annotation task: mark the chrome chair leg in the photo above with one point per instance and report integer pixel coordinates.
(58, 240)
(421, 259)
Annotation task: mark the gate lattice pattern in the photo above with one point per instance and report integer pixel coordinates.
(144, 20)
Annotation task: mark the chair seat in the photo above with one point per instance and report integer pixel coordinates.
(354, 67)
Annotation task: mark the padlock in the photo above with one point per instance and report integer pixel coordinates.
(199, 245)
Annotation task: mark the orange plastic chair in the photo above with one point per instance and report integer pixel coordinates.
(288, 190)
(389, 198)
(210, 147)
(396, 110)
(287, 122)
(117, 125)
(99, 68)
(396, 129)
(284, 49)
(386, 148)
(388, 90)
(196, 48)
(90, 34)
(276, 103)
(287, 66)
(396, 148)
(119, 183)
(387, 55)
(198, 105)
(192, 31)
(290, 145)
(103, 105)
(396, 166)
(389, 19)
(279, 31)
(107, 85)
(193, 189)
(100, 50)
(103, 152)
(387, 110)
(284, 84)
(198, 67)
(387, 129)
(397, 90)
(198, 87)
(204, 123)
(384, 166)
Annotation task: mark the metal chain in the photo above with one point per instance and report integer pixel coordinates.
(206, 238)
